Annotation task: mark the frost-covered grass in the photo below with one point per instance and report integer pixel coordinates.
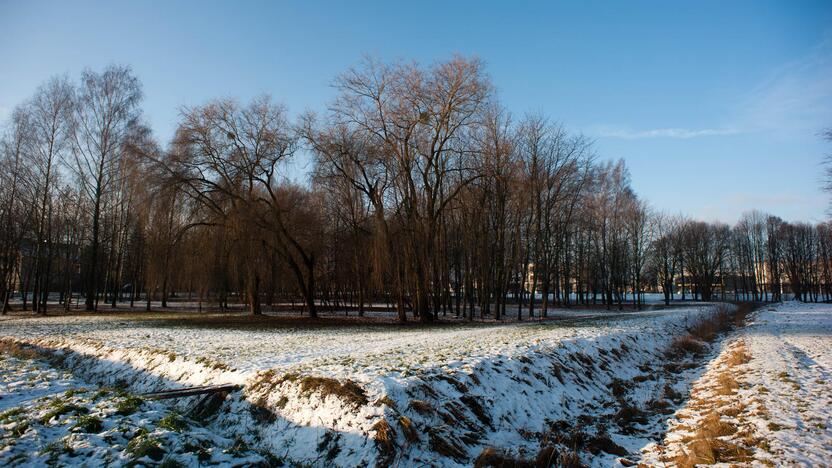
(395, 395)
(766, 399)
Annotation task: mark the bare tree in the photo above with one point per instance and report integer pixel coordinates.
(227, 159)
(49, 120)
(15, 198)
(705, 247)
(664, 258)
(106, 107)
(419, 117)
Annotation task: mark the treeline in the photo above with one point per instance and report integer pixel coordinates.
(424, 194)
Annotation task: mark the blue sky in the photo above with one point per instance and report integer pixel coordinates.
(716, 106)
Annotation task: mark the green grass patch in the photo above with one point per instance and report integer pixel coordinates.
(89, 424)
(19, 429)
(173, 422)
(128, 405)
(11, 414)
(61, 408)
(74, 391)
(145, 446)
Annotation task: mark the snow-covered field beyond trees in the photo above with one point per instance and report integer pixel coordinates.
(597, 390)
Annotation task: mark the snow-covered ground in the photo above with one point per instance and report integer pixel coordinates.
(767, 398)
(341, 352)
(406, 395)
(50, 417)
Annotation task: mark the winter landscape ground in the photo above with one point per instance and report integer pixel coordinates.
(672, 387)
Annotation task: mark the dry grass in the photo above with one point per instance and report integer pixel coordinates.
(724, 319)
(557, 371)
(19, 350)
(734, 410)
(619, 387)
(716, 438)
(569, 460)
(474, 405)
(547, 456)
(712, 451)
(687, 344)
(442, 443)
(264, 380)
(491, 457)
(386, 401)
(773, 426)
(347, 391)
(712, 425)
(628, 416)
(708, 446)
(455, 415)
(422, 407)
(726, 384)
(385, 439)
(408, 430)
(603, 443)
(460, 387)
(738, 356)
(707, 329)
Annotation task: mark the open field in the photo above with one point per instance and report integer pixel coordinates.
(248, 344)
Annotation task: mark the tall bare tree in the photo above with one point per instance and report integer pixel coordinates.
(106, 107)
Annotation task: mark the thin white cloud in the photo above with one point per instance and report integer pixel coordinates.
(677, 133)
(795, 99)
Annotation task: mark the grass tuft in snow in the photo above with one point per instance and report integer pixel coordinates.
(128, 405)
(410, 433)
(144, 445)
(173, 422)
(59, 407)
(385, 439)
(88, 424)
(473, 404)
(446, 445)
(422, 407)
(386, 401)
(347, 390)
(18, 350)
(11, 414)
